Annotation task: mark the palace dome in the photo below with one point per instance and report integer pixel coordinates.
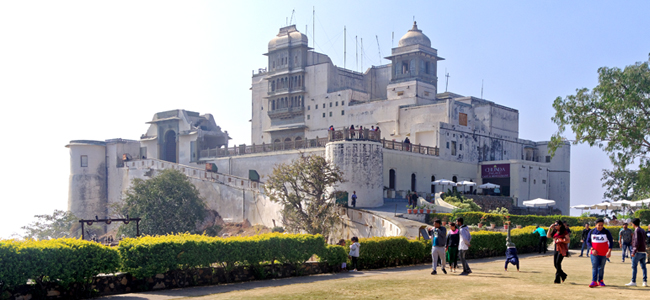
(414, 37)
(288, 35)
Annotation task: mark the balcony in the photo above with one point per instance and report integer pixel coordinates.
(285, 113)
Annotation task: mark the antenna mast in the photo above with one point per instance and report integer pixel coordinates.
(361, 55)
(291, 20)
(356, 53)
(392, 41)
(481, 88)
(447, 83)
(313, 27)
(378, 48)
(345, 47)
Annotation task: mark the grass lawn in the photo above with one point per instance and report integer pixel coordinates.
(489, 281)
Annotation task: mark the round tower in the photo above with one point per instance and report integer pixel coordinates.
(362, 163)
(87, 194)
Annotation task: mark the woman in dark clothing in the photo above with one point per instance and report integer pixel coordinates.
(561, 238)
(352, 131)
(452, 246)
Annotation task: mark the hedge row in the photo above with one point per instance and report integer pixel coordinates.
(523, 220)
(64, 261)
(151, 255)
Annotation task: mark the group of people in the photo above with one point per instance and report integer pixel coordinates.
(449, 245)
(353, 254)
(353, 130)
(599, 243)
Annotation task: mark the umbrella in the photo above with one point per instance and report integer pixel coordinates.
(466, 183)
(489, 186)
(443, 182)
(539, 202)
(604, 206)
(640, 202)
(622, 202)
(582, 207)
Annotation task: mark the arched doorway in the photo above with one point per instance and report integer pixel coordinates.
(433, 187)
(391, 179)
(413, 183)
(170, 146)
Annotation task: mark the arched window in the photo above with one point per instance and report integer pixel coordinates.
(413, 183)
(391, 179)
(412, 66)
(433, 187)
(287, 140)
(276, 141)
(300, 81)
(273, 105)
(273, 86)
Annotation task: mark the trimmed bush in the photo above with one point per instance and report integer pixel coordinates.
(523, 220)
(334, 255)
(148, 256)
(64, 261)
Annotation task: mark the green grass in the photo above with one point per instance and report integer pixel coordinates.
(489, 281)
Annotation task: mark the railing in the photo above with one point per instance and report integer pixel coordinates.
(332, 136)
(197, 173)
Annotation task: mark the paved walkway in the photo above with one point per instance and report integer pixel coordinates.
(225, 288)
(392, 210)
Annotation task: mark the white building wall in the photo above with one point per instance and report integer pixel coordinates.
(87, 185)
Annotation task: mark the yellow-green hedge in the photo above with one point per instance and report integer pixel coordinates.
(147, 256)
(64, 261)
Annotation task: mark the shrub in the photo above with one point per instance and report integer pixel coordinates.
(148, 256)
(644, 215)
(63, 261)
(334, 255)
(523, 220)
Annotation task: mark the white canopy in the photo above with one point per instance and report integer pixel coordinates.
(443, 182)
(466, 183)
(539, 202)
(604, 205)
(622, 202)
(582, 206)
(489, 186)
(641, 202)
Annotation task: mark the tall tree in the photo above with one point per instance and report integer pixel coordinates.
(615, 116)
(166, 203)
(303, 188)
(58, 225)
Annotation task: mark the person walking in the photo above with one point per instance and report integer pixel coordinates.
(354, 252)
(453, 238)
(463, 245)
(354, 199)
(438, 243)
(542, 246)
(625, 241)
(583, 240)
(601, 242)
(414, 199)
(561, 238)
(638, 252)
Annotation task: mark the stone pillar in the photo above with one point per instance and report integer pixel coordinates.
(362, 163)
(87, 189)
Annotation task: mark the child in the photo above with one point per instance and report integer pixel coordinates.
(354, 252)
(511, 257)
(344, 264)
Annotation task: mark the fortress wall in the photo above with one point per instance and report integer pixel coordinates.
(263, 163)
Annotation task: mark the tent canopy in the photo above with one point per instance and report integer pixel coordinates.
(466, 183)
(443, 182)
(539, 202)
(582, 206)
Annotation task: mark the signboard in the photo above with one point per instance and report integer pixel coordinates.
(495, 171)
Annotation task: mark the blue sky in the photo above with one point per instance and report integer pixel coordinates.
(99, 69)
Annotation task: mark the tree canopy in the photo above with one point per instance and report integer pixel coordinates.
(60, 224)
(167, 203)
(615, 116)
(303, 188)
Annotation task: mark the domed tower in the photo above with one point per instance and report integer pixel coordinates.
(415, 63)
(87, 194)
(286, 80)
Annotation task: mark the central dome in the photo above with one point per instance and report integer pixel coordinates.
(414, 37)
(288, 35)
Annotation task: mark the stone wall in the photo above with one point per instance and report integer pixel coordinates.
(125, 283)
(488, 203)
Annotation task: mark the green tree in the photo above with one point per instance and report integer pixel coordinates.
(167, 203)
(58, 225)
(303, 188)
(626, 184)
(615, 116)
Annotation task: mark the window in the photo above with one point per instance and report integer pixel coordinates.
(193, 151)
(307, 117)
(447, 145)
(143, 152)
(400, 93)
(534, 181)
(337, 103)
(342, 113)
(262, 107)
(426, 94)
(413, 182)
(316, 106)
(330, 104)
(524, 179)
(330, 113)
(462, 119)
(308, 107)
(460, 147)
(342, 103)
(453, 148)
(84, 160)
(433, 187)
(391, 179)
(548, 158)
(323, 115)
(543, 181)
